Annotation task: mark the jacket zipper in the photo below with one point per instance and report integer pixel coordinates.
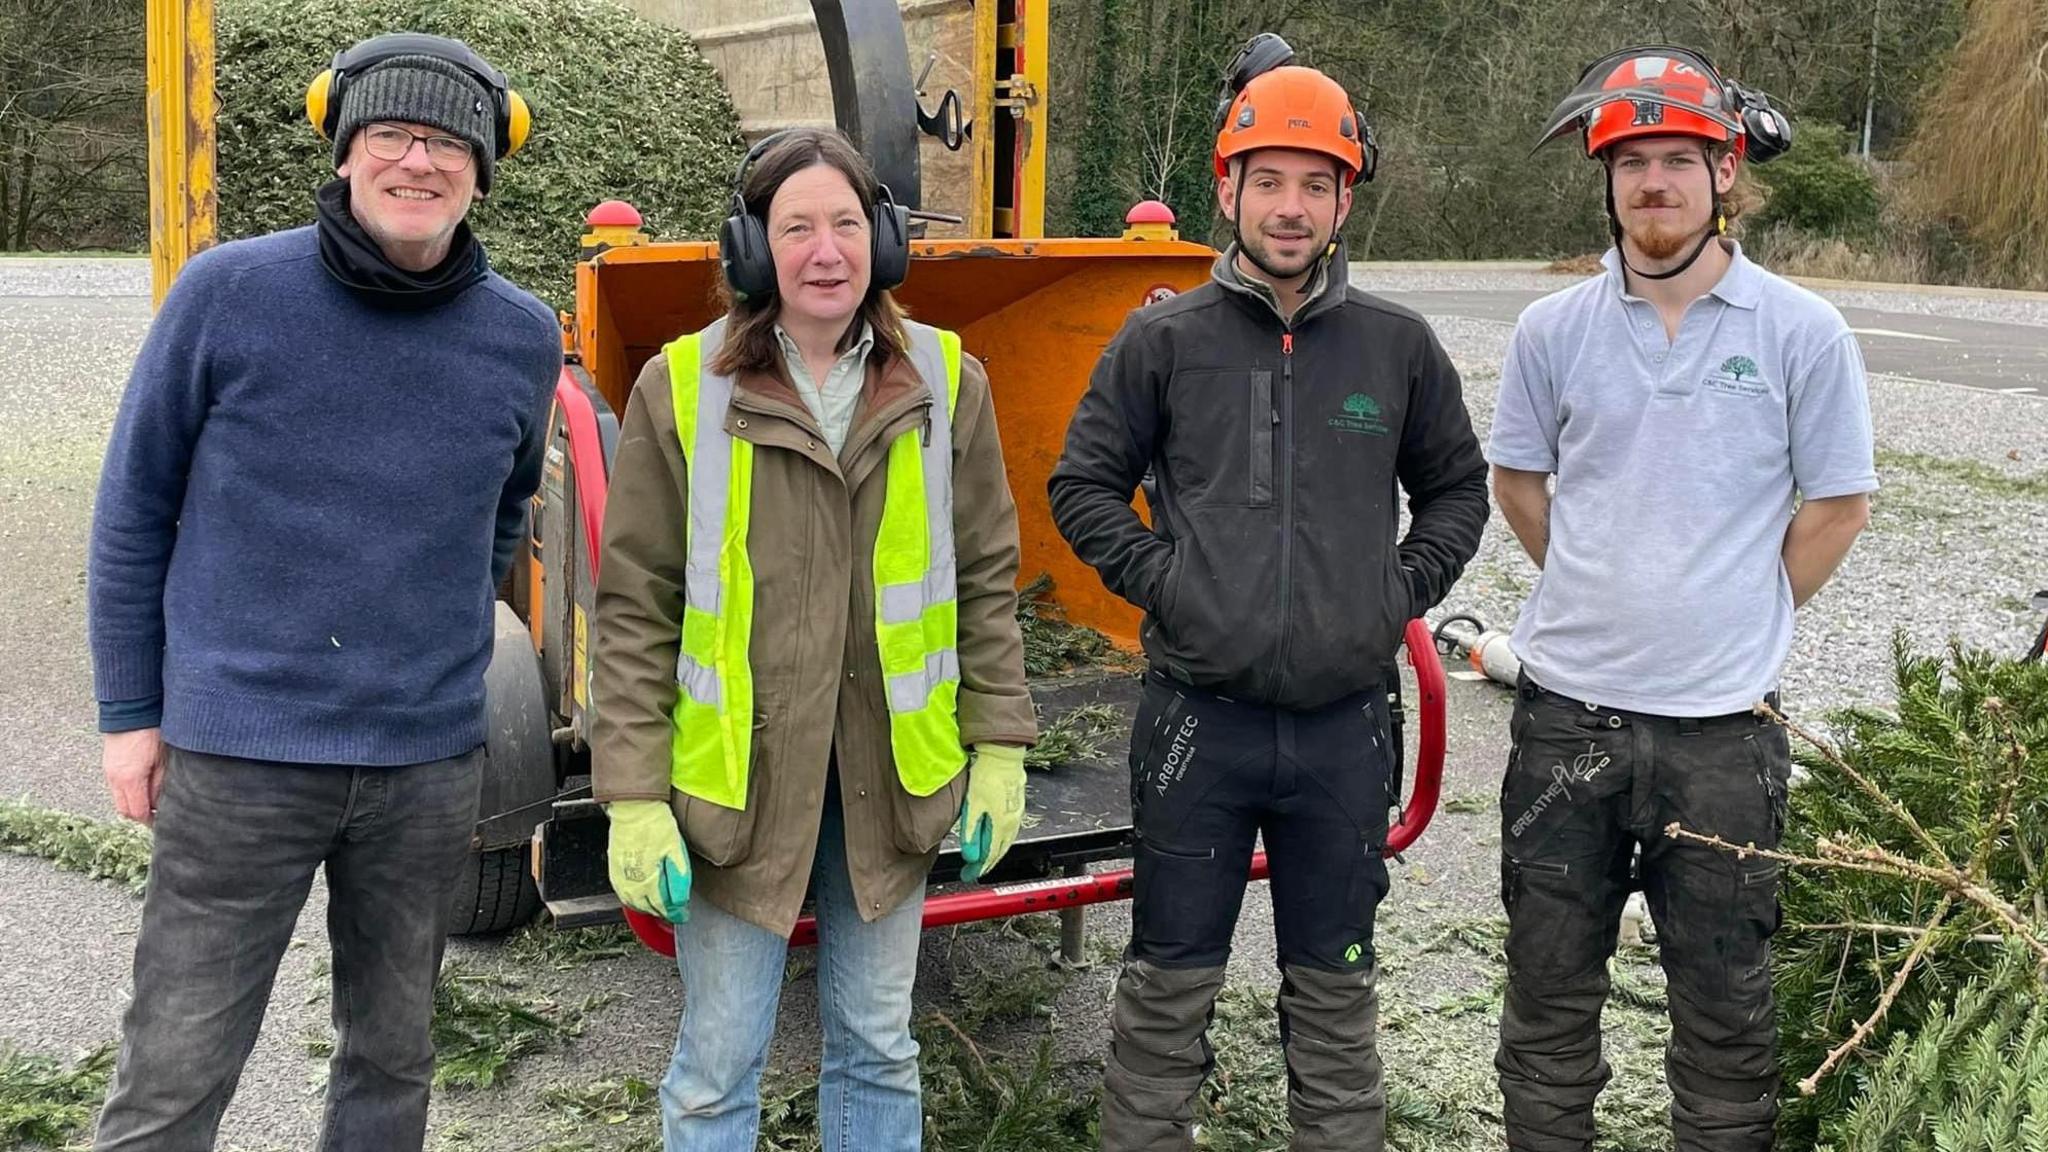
(1284, 417)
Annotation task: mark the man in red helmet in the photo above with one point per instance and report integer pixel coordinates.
(1681, 400)
(1276, 410)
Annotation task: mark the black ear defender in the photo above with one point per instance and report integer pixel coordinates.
(889, 237)
(1260, 55)
(743, 239)
(1769, 130)
(511, 119)
(748, 264)
(1369, 150)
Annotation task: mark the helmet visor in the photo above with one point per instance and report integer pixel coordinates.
(1653, 76)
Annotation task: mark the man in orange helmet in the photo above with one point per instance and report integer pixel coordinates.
(1681, 399)
(1277, 410)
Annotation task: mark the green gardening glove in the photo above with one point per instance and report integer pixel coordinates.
(994, 808)
(650, 868)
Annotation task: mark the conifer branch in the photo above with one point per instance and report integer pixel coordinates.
(1677, 831)
(2016, 754)
(1884, 1003)
(2008, 792)
(2033, 881)
(1833, 757)
(1878, 862)
(1955, 883)
(1891, 930)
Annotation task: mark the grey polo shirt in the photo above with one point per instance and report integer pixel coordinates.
(1664, 589)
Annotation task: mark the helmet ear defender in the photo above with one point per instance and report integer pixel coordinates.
(511, 118)
(1768, 131)
(748, 264)
(1261, 54)
(1369, 148)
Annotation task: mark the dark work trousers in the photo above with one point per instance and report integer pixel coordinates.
(1209, 776)
(1586, 787)
(237, 843)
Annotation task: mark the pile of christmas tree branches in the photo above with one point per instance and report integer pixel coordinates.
(1916, 914)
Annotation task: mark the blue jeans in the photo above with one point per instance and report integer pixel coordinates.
(732, 983)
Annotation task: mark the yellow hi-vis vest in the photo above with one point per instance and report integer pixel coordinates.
(917, 610)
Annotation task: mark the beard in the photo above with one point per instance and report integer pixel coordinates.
(1283, 268)
(1659, 240)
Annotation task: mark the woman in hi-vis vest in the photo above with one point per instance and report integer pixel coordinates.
(808, 665)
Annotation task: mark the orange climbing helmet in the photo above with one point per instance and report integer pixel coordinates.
(1292, 106)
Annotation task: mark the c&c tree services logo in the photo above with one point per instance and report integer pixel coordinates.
(1738, 376)
(1361, 416)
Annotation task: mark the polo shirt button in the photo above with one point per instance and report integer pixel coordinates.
(1660, 357)
(863, 793)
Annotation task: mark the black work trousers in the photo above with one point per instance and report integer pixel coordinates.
(1210, 777)
(1587, 786)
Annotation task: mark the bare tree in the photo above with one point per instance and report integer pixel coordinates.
(71, 116)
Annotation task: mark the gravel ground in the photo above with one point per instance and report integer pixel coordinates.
(57, 276)
(1947, 554)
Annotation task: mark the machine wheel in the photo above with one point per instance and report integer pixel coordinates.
(496, 891)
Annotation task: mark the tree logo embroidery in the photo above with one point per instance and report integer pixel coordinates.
(1738, 376)
(1361, 416)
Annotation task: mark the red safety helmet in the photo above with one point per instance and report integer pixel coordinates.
(1651, 91)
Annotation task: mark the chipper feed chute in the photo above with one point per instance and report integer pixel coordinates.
(1037, 313)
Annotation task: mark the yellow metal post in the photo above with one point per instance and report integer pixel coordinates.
(1010, 118)
(182, 203)
(981, 209)
(1036, 18)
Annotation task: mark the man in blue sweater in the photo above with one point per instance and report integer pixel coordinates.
(316, 481)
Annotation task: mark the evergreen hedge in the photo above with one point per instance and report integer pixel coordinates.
(622, 107)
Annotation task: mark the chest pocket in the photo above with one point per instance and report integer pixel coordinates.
(1223, 439)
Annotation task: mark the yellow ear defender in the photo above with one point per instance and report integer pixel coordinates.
(518, 122)
(316, 101)
(512, 118)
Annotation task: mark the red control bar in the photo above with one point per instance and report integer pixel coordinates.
(1099, 887)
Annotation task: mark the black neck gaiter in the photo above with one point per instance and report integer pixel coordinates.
(352, 258)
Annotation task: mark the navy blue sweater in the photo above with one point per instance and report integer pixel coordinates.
(306, 507)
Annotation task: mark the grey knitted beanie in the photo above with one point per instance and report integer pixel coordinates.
(421, 90)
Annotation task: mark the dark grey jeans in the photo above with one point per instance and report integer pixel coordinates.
(237, 843)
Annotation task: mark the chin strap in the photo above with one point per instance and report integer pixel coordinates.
(1715, 230)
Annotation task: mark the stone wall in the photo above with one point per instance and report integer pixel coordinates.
(773, 64)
